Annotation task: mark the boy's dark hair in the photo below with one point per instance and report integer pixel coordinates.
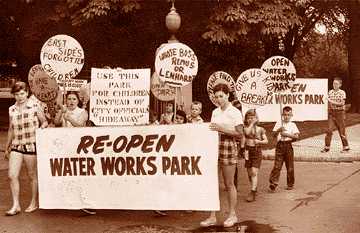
(153, 115)
(18, 86)
(236, 103)
(287, 109)
(221, 87)
(181, 113)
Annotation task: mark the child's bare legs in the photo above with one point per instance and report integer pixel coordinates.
(30, 162)
(228, 172)
(253, 178)
(15, 162)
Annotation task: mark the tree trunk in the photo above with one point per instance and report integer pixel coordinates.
(354, 56)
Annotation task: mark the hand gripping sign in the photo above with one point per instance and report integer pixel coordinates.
(176, 64)
(161, 90)
(252, 88)
(281, 71)
(62, 57)
(217, 78)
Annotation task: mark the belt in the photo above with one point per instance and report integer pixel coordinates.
(336, 110)
(290, 141)
(226, 137)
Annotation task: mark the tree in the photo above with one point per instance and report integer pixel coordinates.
(229, 35)
(322, 55)
(354, 54)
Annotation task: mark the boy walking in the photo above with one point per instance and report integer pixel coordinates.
(286, 132)
(336, 118)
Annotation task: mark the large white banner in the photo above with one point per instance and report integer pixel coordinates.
(307, 97)
(119, 96)
(164, 167)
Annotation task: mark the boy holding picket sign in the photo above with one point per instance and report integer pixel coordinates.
(285, 131)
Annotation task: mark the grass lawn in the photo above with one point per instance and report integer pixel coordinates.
(309, 128)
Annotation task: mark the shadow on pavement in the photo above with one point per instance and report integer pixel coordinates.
(243, 227)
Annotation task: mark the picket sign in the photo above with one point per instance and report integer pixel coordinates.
(176, 64)
(217, 78)
(62, 57)
(282, 75)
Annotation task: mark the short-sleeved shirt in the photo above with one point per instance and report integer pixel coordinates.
(337, 97)
(197, 119)
(290, 128)
(230, 117)
(24, 123)
(75, 114)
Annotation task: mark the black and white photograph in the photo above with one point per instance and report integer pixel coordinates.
(179, 116)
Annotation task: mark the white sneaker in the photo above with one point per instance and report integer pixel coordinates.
(230, 221)
(211, 221)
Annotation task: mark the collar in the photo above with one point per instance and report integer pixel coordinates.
(29, 104)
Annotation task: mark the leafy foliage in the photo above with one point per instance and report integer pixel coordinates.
(232, 20)
(322, 56)
(85, 10)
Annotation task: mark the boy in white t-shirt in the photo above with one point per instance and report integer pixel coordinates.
(286, 132)
(336, 117)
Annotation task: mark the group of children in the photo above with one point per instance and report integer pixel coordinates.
(179, 116)
(250, 144)
(25, 116)
(253, 138)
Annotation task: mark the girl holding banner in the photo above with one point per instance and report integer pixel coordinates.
(227, 120)
(72, 115)
(24, 118)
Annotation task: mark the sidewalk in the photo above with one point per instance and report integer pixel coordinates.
(304, 150)
(309, 149)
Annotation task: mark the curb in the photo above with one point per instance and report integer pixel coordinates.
(337, 159)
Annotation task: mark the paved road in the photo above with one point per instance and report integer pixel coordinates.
(326, 199)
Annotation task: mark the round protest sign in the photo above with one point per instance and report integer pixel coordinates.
(217, 78)
(252, 88)
(281, 71)
(161, 90)
(62, 57)
(41, 85)
(35, 70)
(176, 64)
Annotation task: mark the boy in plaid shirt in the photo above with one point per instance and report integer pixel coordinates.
(24, 118)
(336, 118)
